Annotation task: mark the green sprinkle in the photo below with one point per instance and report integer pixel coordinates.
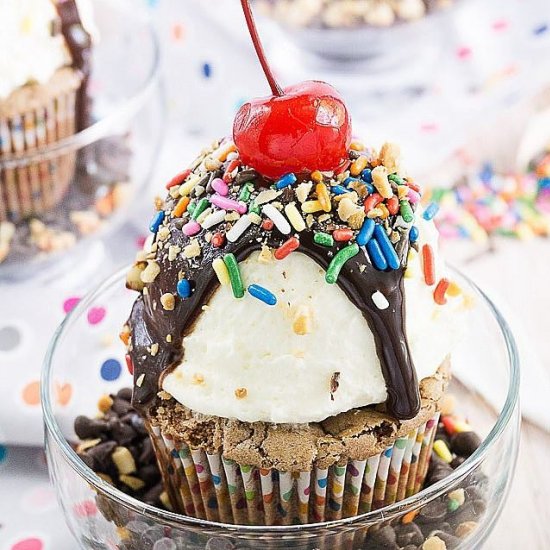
(246, 191)
(398, 180)
(234, 275)
(324, 239)
(201, 206)
(255, 209)
(453, 505)
(338, 262)
(191, 208)
(406, 211)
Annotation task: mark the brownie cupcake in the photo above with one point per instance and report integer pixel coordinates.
(43, 100)
(292, 338)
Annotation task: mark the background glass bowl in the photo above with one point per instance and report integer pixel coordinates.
(115, 155)
(78, 349)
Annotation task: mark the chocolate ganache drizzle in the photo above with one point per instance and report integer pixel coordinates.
(79, 42)
(150, 323)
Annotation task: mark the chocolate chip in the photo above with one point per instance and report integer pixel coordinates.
(152, 496)
(138, 424)
(245, 176)
(102, 454)
(121, 406)
(147, 453)
(89, 428)
(122, 433)
(438, 470)
(434, 511)
(385, 537)
(150, 474)
(88, 460)
(125, 394)
(457, 461)
(409, 533)
(465, 443)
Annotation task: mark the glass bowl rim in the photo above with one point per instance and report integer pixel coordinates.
(181, 521)
(102, 127)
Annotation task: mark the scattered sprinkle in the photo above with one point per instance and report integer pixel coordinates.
(234, 275)
(338, 262)
(183, 288)
(221, 272)
(286, 181)
(380, 301)
(286, 248)
(262, 294)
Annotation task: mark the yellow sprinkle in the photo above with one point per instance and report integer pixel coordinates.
(358, 165)
(323, 196)
(380, 181)
(186, 188)
(309, 207)
(412, 264)
(221, 271)
(461, 426)
(442, 451)
(317, 177)
(222, 152)
(385, 212)
(294, 217)
(454, 290)
(357, 146)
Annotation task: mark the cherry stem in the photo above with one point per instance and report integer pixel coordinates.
(275, 88)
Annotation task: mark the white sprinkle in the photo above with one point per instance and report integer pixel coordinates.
(380, 301)
(242, 224)
(139, 381)
(277, 218)
(214, 219)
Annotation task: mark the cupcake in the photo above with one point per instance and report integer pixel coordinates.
(43, 100)
(291, 343)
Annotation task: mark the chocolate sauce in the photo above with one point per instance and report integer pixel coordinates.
(79, 42)
(359, 279)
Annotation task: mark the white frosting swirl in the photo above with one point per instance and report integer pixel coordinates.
(244, 344)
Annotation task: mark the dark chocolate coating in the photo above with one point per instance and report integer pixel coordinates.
(149, 323)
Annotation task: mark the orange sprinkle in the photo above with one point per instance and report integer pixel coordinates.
(181, 207)
(429, 267)
(178, 179)
(234, 164)
(409, 518)
(342, 235)
(393, 205)
(440, 290)
(124, 336)
(286, 248)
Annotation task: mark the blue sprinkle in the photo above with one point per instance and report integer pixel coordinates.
(349, 181)
(486, 173)
(3, 453)
(388, 452)
(158, 218)
(366, 175)
(110, 370)
(365, 234)
(338, 189)
(541, 29)
(262, 294)
(544, 183)
(370, 188)
(285, 181)
(386, 247)
(375, 254)
(184, 288)
(413, 234)
(207, 70)
(431, 210)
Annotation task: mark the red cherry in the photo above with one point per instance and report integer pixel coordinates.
(306, 129)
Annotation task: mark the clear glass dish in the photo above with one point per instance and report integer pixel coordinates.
(100, 516)
(107, 162)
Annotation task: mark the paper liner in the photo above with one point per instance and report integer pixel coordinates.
(212, 487)
(37, 186)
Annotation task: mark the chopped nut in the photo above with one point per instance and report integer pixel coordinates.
(303, 190)
(310, 219)
(324, 218)
(193, 249)
(133, 279)
(266, 196)
(105, 477)
(232, 216)
(434, 543)
(380, 181)
(265, 256)
(212, 164)
(355, 221)
(86, 221)
(150, 273)
(254, 218)
(163, 233)
(241, 393)
(302, 320)
(198, 378)
(168, 301)
(105, 403)
(123, 460)
(133, 482)
(139, 381)
(165, 499)
(154, 349)
(348, 208)
(389, 156)
(204, 215)
(458, 496)
(169, 338)
(164, 395)
(87, 444)
(173, 252)
(466, 528)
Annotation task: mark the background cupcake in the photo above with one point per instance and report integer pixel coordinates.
(43, 100)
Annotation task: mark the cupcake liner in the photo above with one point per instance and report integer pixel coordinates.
(219, 489)
(37, 186)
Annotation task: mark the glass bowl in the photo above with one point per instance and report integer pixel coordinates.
(102, 517)
(102, 166)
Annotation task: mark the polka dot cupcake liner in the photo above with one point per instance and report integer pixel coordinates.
(208, 486)
(44, 117)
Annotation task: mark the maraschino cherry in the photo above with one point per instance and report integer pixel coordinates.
(302, 128)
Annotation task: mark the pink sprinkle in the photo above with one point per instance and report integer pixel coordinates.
(191, 228)
(500, 25)
(463, 52)
(85, 509)
(220, 187)
(413, 196)
(96, 315)
(228, 204)
(70, 303)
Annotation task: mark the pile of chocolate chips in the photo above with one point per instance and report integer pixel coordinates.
(117, 447)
